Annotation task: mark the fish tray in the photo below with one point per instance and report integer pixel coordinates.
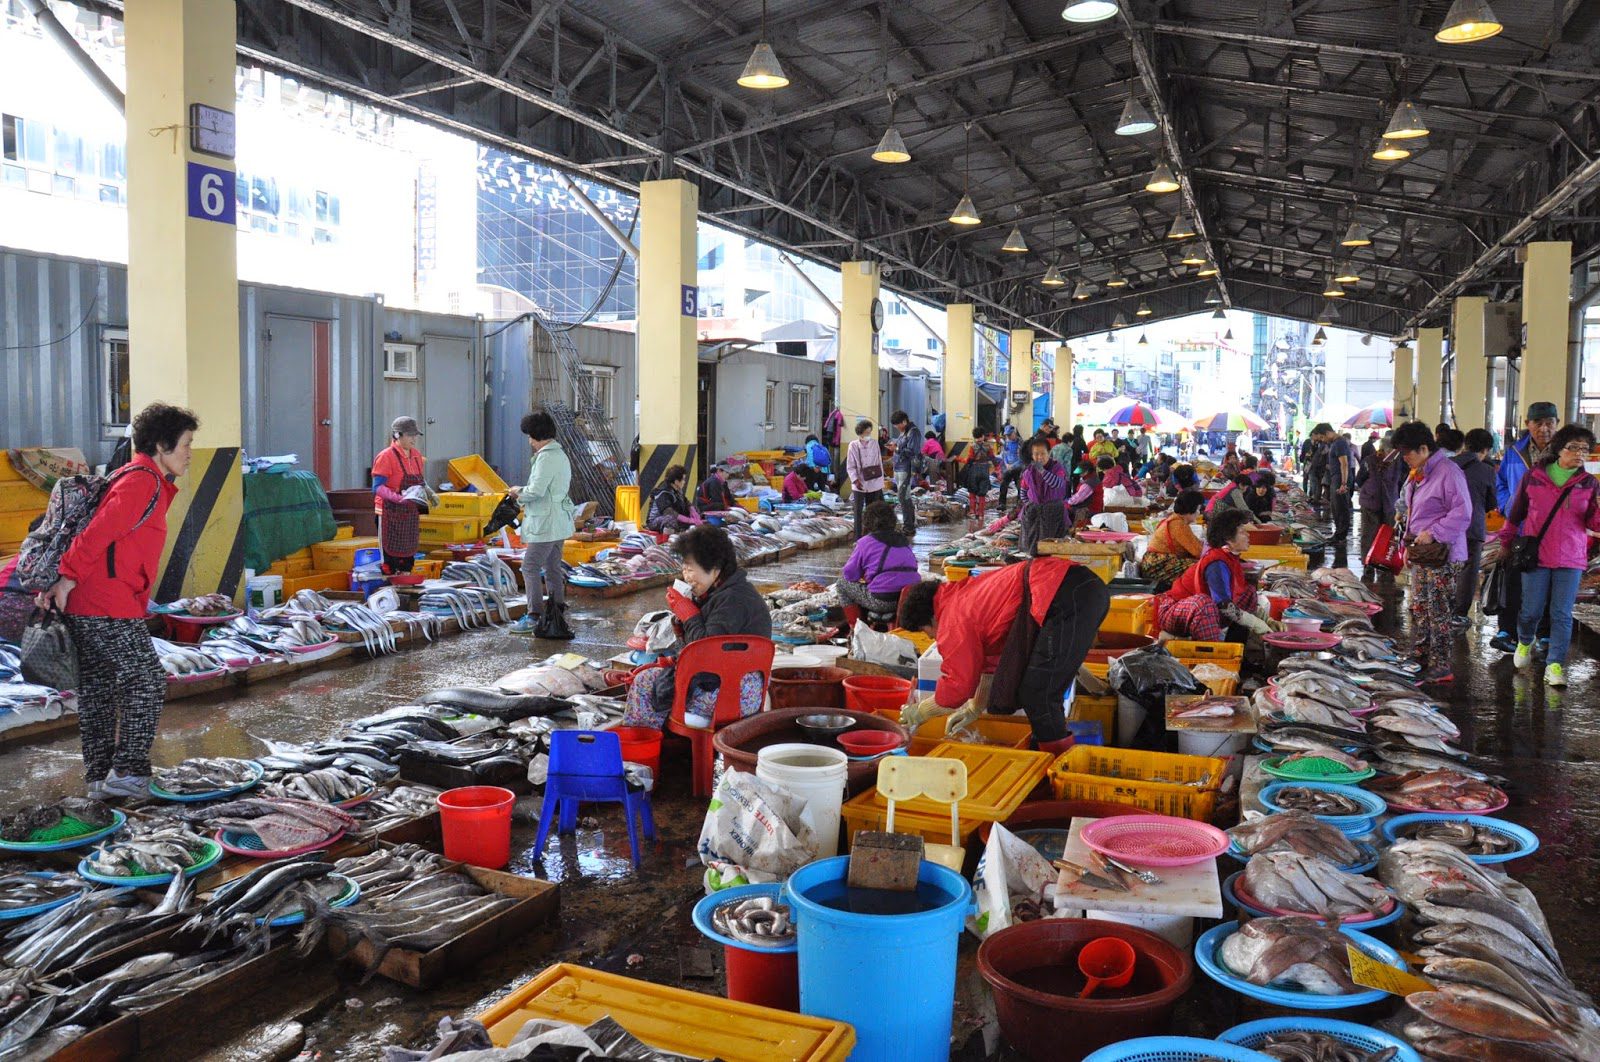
(215, 794)
(537, 904)
(1235, 891)
(1527, 841)
(1251, 1034)
(118, 820)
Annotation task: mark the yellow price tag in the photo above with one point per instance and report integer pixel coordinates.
(1374, 973)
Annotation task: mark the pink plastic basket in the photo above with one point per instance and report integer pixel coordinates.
(1301, 640)
(1155, 840)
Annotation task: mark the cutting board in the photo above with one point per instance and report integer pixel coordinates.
(1193, 891)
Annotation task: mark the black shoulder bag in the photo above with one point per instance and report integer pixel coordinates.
(1525, 548)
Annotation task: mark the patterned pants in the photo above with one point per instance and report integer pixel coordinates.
(857, 594)
(650, 696)
(121, 688)
(1433, 603)
(1195, 617)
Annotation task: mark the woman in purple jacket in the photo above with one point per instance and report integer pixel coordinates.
(1438, 509)
(880, 566)
(1564, 489)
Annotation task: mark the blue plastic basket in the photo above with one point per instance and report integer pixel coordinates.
(212, 856)
(1251, 1033)
(1527, 840)
(1231, 894)
(1087, 732)
(1373, 804)
(351, 893)
(217, 794)
(1175, 1049)
(1369, 857)
(707, 905)
(40, 908)
(1205, 956)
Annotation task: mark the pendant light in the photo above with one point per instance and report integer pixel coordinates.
(1081, 292)
(1193, 256)
(1406, 123)
(1319, 338)
(892, 148)
(1332, 290)
(1208, 270)
(1014, 242)
(1219, 314)
(1084, 11)
(1182, 227)
(1117, 280)
(763, 71)
(1119, 321)
(1144, 340)
(1346, 274)
(1228, 336)
(1468, 21)
(1052, 277)
(1135, 120)
(1390, 151)
(1143, 310)
(1213, 297)
(1161, 181)
(1329, 314)
(965, 213)
(1357, 235)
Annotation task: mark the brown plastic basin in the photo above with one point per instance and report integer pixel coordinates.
(740, 743)
(807, 687)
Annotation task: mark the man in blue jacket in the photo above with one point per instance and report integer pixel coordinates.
(1530, 451)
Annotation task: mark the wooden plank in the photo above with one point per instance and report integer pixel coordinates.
(182, 691)
(30, 732)
(538, 902)
(627, 589)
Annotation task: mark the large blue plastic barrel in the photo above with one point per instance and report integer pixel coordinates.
(893, 977)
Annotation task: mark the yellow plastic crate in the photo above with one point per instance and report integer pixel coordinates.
(671, 1019)
(955, 573)
(626, 502)
(344, 531)
(461, 503)
(1102, 710)
(339, 555)
(575, 552)
(1167, 784)
(288, 567)
(998, 781)
(444, 530)
(999, 731)
(14, 526)
(1288, 556)
(318, 581)
(474, 471)
(1107, 568)
(1130, 614)
(7, 473)
(1224, 654)
(749, 504)
(428, 569)
(20, 496)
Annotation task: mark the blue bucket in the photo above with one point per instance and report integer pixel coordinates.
(893, 977)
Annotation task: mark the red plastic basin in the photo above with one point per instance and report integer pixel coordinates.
(869, 693)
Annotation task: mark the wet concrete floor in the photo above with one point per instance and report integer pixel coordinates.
(612, 917)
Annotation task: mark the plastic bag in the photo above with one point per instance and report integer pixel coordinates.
(1011, 874)
(753, 833)
(1120, 495)
(875, 647)
(656, 630)
(1151, 675)
(1110, 521)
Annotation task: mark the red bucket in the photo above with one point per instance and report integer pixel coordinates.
(871, 693)
(767, 977)
(641, 745)
(1276, 605)
(476, 823)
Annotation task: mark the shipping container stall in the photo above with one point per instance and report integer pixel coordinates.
(764, 401)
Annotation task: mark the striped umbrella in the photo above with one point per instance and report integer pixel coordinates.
(1230, 420)
(1375, 416)
(1136, 414)
(1171, 420)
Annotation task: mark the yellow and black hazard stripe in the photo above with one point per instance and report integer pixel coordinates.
(205, 528)
(655, 459)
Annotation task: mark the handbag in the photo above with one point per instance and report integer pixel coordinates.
(1388, 550)
(1491, 594)
(49, 657)
(1525, 548)
(1428, 554)
(874, 471)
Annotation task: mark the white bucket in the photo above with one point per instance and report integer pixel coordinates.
(263, 591)
(1130, 717)
(821, 655)
(1204, 743)
(815, 776)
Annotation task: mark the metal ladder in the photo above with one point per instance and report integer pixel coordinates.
(599, 463)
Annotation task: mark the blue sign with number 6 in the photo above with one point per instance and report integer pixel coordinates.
(691, 301)
(211, 193)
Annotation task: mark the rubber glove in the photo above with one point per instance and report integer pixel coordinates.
(681, 607)
(1254, 623)
(389, 494)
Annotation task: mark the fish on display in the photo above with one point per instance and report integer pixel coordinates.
(1295, 831)
(328, 785)
(1343, 759)
(241, 910)
(1439, 790)
(1471, 839)
(96, 923)
(206, 774)
(23, 890)
(149, 849)
(1316, 801)
(1487, 1015)
(37, 819)
(1289, 881)
(1299, 1045)
(1290, 952)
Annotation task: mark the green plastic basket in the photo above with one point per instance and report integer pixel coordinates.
(1314, 769)
(66, 829)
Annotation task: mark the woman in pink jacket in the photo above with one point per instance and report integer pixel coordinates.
(1563, 500)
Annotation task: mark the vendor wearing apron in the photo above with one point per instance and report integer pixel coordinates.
(398, 467)
(1030, 624)
(1044, 486)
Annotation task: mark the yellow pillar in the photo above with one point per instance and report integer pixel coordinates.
(960, 385)
(856, 372)
(1405, 387)
(668, 308)
(1469, 382)
(1021, 379)
(183, 281)
(1061, 393)
(1546, 294)
(1430, 375)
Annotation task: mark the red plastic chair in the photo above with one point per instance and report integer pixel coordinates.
(729, 658)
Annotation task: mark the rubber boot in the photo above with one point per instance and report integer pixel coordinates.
(555, 626)
(852, 615)
(1057, 747)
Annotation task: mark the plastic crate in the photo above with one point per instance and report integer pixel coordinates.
(672, 1019)
(1167, 784)
(575, 552)
(428, 569)
(1224, 654)
(752, 505)
(460, 503)
(315, 580)
(1288, 556)
(1102, 710)
(998, 781)
(1107, 568)
(998, 731)
(344, 531)
(290, 567)
(955, 574)
(443, 530)
(14, 526)
(20, 496)
(1131, 614)
(626, 505)
(474, 471)
(339, 554)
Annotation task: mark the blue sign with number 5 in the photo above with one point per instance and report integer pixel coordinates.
(691, 301)
(211, 193)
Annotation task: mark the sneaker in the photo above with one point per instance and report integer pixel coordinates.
(1524, 655)
(1555, 675)
(97, 789)
(526, 625)
(125, 785)
(1505, 641)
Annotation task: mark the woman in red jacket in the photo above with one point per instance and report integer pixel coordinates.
(1030, 624)
(107, 575)
(1215, 598)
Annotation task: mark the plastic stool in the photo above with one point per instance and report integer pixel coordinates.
(586, 765)
(937, 779)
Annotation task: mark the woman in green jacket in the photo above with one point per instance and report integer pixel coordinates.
(548, 517)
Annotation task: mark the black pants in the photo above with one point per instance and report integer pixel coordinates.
(860, 499)
(1012, 475)
(1342, 510)
(1467, 587)
(1069, 629)
(399, 564)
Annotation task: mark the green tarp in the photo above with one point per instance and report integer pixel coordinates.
(284, 512)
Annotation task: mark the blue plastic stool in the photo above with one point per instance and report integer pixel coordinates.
(586, 765)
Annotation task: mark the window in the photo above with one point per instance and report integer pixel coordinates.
(712, 258)
(933, 344)
(11, 137)
(799, 407)
(114, 402)
(600, 382)
(399, 361)
(771, 417)
(896, 308)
